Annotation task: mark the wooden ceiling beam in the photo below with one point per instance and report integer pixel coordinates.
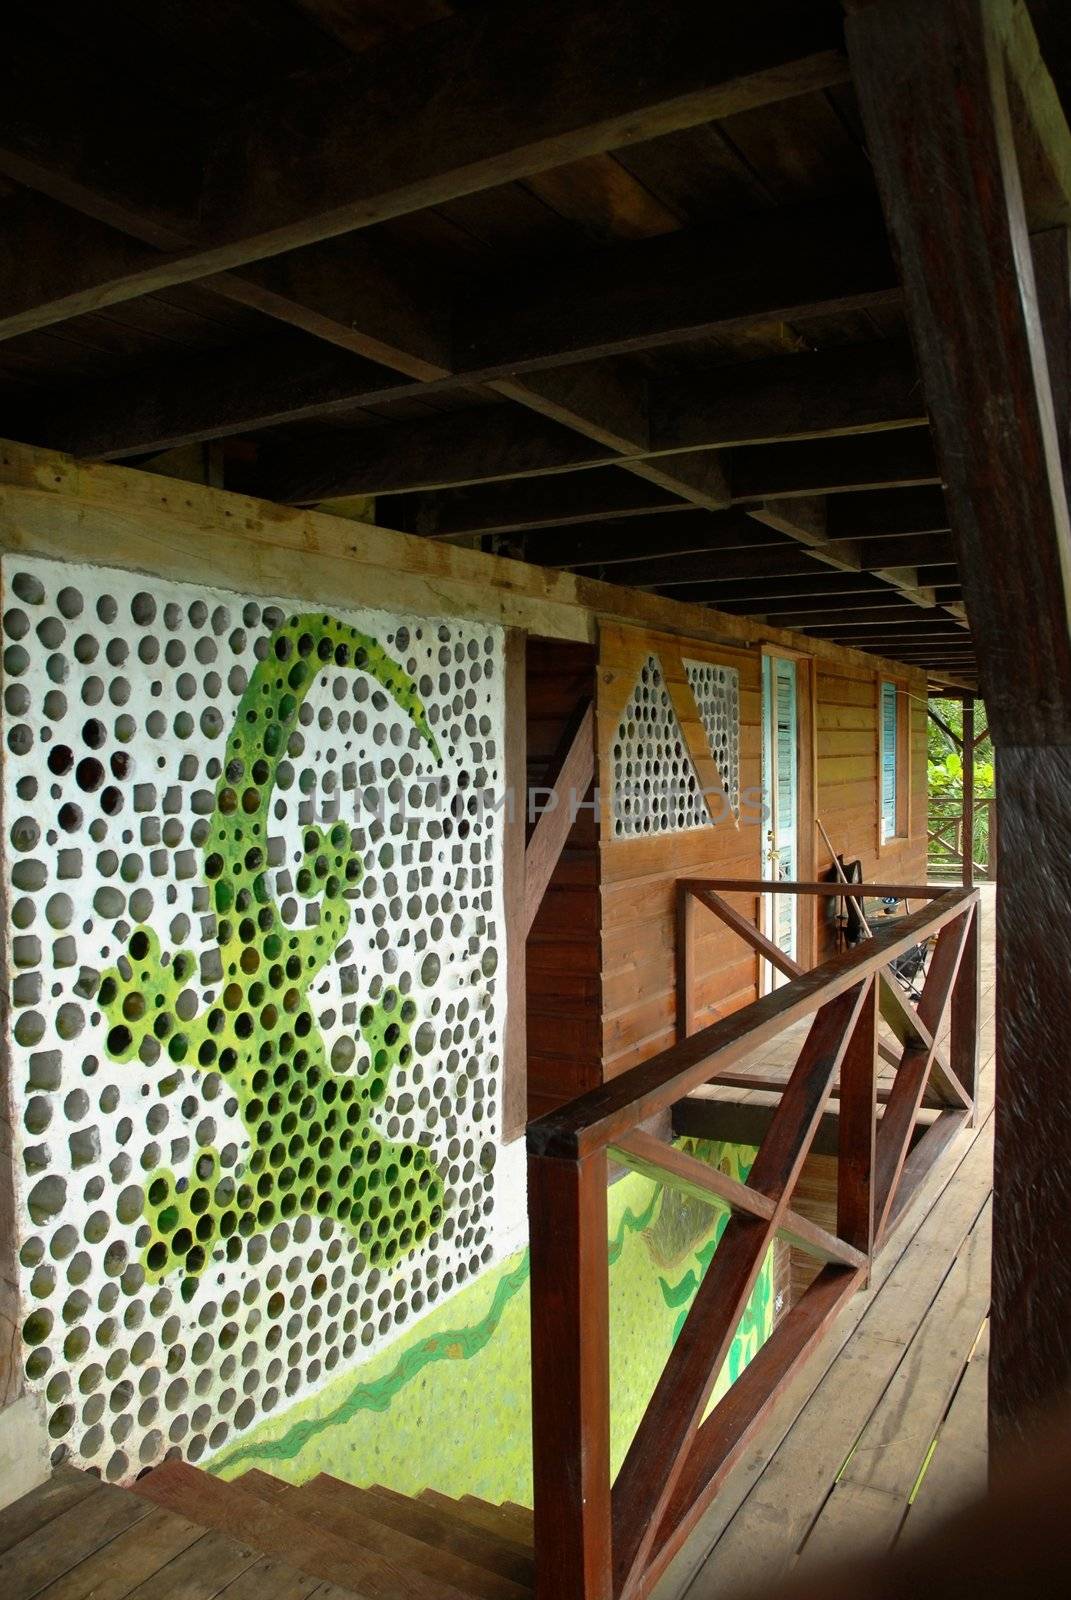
(598, 495)
(837, 616)
(682, 286)
(806, 519)
(362, 294)
(903, 629)
(804, 396)
(128, 160)
(822, 584)
(446, 113)
(830, 466)
(901, 512)
(925, 550)
(608, 544)
(865, 607)
(755, 473)
(854, 389)
(717, 566)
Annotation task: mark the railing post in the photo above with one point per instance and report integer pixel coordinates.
(968, 790)
(570, 1377)
(965, 1011)
(685, 961)
(858, 1122)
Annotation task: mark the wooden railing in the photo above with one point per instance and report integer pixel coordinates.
(601, 1540)
(947, 827)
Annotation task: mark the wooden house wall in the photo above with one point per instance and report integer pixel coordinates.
(848, 777)
(638, 875)
(116, 516)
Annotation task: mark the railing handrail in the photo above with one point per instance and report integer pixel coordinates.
(594, 1120)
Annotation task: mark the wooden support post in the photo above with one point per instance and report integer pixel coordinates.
(858, 1122)
(570, 1377)
(968, 791)
(966, 1003)
(953, 93)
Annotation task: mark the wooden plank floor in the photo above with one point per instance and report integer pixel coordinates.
(883, 1431)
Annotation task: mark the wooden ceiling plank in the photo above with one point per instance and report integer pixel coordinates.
(900, 512)
(830, 466)
(396, 133)
(856, 389)
(776, 266)
(608, 544)
(357, 293)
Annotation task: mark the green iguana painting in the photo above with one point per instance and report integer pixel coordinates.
(314, 1145)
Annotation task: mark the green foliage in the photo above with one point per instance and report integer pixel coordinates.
(945, 764)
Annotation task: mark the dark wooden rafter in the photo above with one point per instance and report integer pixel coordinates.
(409, 349)
(972, 153)
(272, 180)
(608, 545)
(366, 321)
(765, 472)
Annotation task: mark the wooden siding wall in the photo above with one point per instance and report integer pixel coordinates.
(638, 875)
(847, 726)
(562, 959)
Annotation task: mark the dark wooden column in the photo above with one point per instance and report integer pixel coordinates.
(971, 149)
(968, 791)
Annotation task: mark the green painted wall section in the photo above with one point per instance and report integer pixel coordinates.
(451, 1407)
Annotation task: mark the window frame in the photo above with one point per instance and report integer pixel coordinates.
(901, 829)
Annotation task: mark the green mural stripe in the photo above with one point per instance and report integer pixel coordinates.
(631, 1222)
(457, 1344)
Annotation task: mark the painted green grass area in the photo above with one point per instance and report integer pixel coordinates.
(449, 1406)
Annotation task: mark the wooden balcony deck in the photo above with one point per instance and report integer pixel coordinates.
(884, 1430)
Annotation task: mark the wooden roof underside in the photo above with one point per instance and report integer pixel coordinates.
(602, 286)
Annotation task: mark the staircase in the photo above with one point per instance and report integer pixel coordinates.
(374, 1543)
(179, 1534)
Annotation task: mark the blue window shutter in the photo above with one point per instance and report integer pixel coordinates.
(888, 760)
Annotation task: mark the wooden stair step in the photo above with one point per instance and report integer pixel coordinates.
(445, 1525)
(46, 1553)
(273, 1531)
(261, 1483)
(202, 1571)
(129, 1560)
(49, 1500)
(269, 1579)
(515, 1521)
(337, 1505)
(492, 1519)
(525, 1517)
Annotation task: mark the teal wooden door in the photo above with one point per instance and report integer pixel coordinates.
(780, 784)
